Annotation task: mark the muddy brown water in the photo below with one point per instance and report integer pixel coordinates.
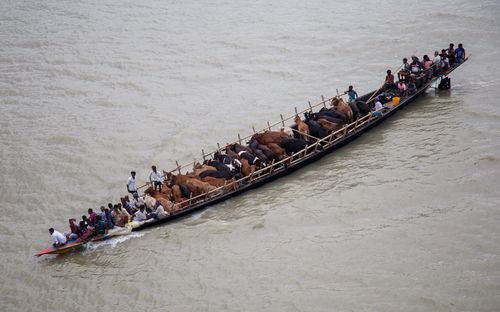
(403, 219)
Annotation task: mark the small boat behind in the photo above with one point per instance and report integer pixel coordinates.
(72, 245)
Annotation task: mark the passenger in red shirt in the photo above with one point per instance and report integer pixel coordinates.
(389, 81)
(92, 219)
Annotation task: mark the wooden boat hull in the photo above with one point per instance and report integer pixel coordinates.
(73, 245)
(349, 137)
(70, 246)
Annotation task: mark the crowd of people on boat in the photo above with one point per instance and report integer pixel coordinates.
(137, 209)
(229, 168)
(413, 75)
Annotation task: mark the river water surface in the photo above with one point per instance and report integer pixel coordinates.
(406, 218)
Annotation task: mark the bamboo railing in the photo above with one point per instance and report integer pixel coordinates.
(288, 161)
(323, 102)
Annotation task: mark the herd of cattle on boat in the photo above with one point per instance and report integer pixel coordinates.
(237, 164)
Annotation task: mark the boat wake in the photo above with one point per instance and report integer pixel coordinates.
(113, 242)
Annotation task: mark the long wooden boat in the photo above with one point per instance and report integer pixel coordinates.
(275, 170)
(296, 161)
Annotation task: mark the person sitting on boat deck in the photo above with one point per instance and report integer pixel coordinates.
(378, 108)
(427, 66)
(120, 215)
(155, 178)
(125, 203)
(444, 59)
(415, 65)
(86, 231)
(389, 81)
(137, 201)
(160, 211)
(438, 64)
(85, 220)
(59, 239)
(110, 222)
(100, 226)
(412, 87)
(125, 215)
(426, 62)
(460, 54)
(103, 212)
(139, 215)
(92, 219)
(405, 70)
(74, 232)
(450, 53)
(352, 95)
(150, 214)
(131, 186)
(117, 216)
(402, 89)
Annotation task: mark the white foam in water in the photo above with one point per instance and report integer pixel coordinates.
(111, 242)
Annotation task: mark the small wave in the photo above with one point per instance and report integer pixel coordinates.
(481, 114)
(63, 140)
(462, 17)
(113, 242)
(489, 158)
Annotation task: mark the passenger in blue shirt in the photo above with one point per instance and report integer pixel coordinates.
(353, 96)
(460, 54)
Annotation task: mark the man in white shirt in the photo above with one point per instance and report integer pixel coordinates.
(59, 239)
(378, 108)
(437, 63)
(140, 215)
(155, 179)
(131, 187)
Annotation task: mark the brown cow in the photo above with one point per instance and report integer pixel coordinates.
(277, 150)
(179, 178)
(168, 205)
(198, 187)
(329, 126)
(166, 190)
(218, 182)
(302, 127)
(343, 107)
(199, 168)
(177, 194)
(246, 168)
(270, 137)
(155, 194)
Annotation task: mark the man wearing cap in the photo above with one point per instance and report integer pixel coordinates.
(155, 179)
(131, 187)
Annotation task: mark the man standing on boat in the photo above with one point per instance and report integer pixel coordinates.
(352, 95)
(460, 54)
(155, 179)
(131, 187)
